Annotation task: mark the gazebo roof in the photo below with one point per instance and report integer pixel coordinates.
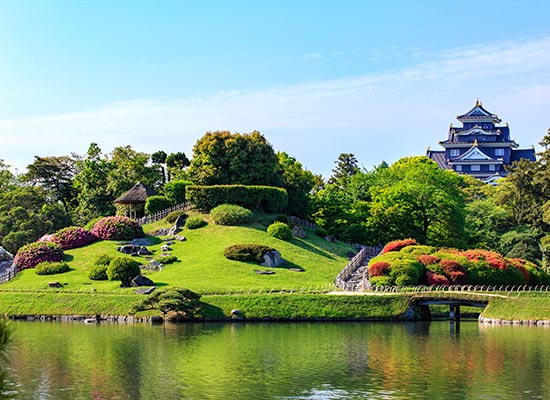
(136, 195)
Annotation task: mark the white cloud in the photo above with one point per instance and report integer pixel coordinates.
(376, 117)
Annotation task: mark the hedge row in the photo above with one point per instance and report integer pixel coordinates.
(268, 198)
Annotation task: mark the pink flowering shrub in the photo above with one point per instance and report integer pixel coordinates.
(397, 245)
(33, 254)
(427, 259)
(433, 279)
(70, 238)
(378, 268)
(117, 228)
(494, 259)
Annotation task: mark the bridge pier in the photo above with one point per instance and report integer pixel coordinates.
(454, 312)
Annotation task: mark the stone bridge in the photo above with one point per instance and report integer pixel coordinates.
(419, 307)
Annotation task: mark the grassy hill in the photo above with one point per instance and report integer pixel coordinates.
(201, 265)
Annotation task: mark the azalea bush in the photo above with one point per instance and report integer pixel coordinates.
(280, 230)
(70, 238)
(117, 228)
(231, 214)
(413, 264)
(32, 254)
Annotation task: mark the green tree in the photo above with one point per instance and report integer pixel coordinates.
(129, 166)
(224, 158)
(414, 198)
(176, 164)
(159, 158)
(298, 183)
(56, 175)
(7, 178)
(346, 166)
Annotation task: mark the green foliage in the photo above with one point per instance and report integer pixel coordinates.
(298, 184)
(417, 250)
(51, 268)
(181, 301)
(346, 166)
(271, 199)
(381, 281)
(5, 338)
(174, 215)
(246, 252)
(231, 214)
(98, 272)
(175, 191)
(103, 259)
(167, 259)
(321, 232)
(280, 230)
(123, 269)
(221, 158)
(281, 218)
(195, 223)
(523, 245)
(411, 269)
(156, 203)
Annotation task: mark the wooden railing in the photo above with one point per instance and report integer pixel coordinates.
(162, 214)
(7, 275)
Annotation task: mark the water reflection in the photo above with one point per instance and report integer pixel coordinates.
(278, 361)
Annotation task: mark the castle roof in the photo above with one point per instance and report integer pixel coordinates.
(478, 114)
(475, 154)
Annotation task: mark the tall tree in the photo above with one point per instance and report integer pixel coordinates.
(298, 183)
(346, 167)
(7, 178)
(159, 158)
(224, 158)
(176, 164)
(128, 167)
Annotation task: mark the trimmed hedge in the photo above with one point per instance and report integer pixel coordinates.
(174, 215)
(32, 254)
(175, 191)
(155, 204)
(195, 223)
(246, 252)
(123, 269)
(269, 198)
(280, 230)
(98, 273)
(231, 214)
(117, 228)
(51, 268)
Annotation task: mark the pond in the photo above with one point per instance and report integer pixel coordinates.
(422, 360)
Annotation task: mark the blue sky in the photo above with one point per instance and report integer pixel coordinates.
(380, 79)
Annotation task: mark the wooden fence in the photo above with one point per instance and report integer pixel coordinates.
(7, 275)
(162, 214)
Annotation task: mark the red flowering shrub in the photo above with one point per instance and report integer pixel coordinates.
(520, 264)
(379, 268)
(70, 238)
(494, 259)
(33, 254)
(449, 266)
(117, 228)
(458, 278)
(397, 245)
(427, 259)
(433, 279)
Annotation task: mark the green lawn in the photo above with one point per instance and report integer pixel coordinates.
(201, 265)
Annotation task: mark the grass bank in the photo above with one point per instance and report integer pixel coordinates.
(525, 306)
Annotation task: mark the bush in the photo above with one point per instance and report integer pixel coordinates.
(231, 214)
(379, 268)
(123, 269)
(103, 259)
(70, 238)
(411, 268)
(246, 252)
(174, 215)
(397, 245)
(195, 223)
(381, 281)
(417, 250)
(51, 268)
(117, 228)
(404, 280)
(282, 218)
(33, 254)
(175, 191)
(98, 273)
(280, 230)
(321, 232)
(182, 301)
(167, 259)
(155, 204)
(271, 199)
(90, 224)
(426, 259)
(433, 279)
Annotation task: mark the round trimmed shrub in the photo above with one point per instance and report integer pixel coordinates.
(123, 269)
(246, 252)
(195, 223)
(167, 259)
(397, 245)
(98, 273)
(117, 228)
(378, 268)
(72, 237)
(427, 259)
(434, 279)
(174, 215)
(33, 254)
(280, 230)
(381, 281)
(411, 268)
(51, 268)
(103, 259)
(231, 214)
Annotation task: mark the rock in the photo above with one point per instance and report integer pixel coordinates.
(263, 272)
(165, 247)
(141, 280)
(128, 249)
(152, 266)
(161, 232)
(173, 230)
(181, 238)
(331, 239)
(5, 255)
(299, 232)
(157, 319)
(144, 251)
(55, 284)
(180, 221)
(146, 290)
(141, 242)
(237, 314)
(296, 269)
(272, 259)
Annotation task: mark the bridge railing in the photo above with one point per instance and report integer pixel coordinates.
(458, 288)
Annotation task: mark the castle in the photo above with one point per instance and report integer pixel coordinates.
(481, 147)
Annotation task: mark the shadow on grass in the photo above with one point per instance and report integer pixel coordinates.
(68, 257)
(154, 239)
(306, 246)
(210, 311)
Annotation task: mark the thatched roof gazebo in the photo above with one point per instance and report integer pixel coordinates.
(134, 199)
